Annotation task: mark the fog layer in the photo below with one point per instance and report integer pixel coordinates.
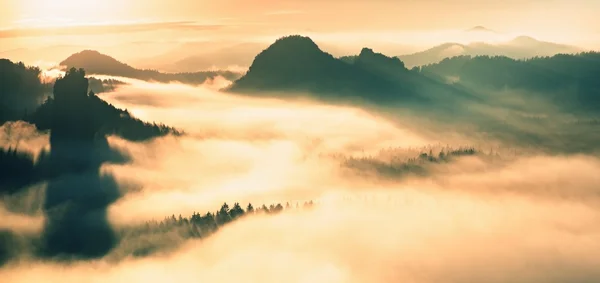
(489, 217)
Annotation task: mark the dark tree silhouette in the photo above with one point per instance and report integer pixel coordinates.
(20, 90)
(16, 170)
(109, 119)
(222, 216)
(236, 212)
(77, 197)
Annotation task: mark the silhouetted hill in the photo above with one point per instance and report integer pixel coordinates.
(566, 79)
(95, 62)
(295, 64)
(519, 48)
(98, 63)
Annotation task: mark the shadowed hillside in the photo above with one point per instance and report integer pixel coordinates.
(567, 80)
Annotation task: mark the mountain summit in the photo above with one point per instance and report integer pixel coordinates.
(295, 64)
(479, 29)
(97, 63)
(379, 63)
(297, 51)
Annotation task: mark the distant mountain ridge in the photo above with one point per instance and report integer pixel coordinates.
(210, 57)
(521, 47)
(95, 62)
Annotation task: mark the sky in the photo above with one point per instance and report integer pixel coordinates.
(410, 24)
(331, 15)
(389, 13)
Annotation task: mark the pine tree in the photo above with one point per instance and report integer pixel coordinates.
(223, 216)
(236, 211)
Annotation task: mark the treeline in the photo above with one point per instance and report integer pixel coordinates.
(168, 233)
(156, 236)
(398, 166)
(18, 169)
(21, 90)
(209, 222)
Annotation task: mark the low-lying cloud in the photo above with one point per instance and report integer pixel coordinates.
(23, 136)
(489, 217)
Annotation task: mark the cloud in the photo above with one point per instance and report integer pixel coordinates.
(106, 29)
(414, 237)
(23, 136)
(237, 148)
(20, 223)
(21, 213)
(284, 12)
(501, 217)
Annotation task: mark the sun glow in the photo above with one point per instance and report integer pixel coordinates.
(41, 13)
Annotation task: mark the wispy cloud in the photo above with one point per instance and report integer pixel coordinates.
(284, 12)
(105, 28)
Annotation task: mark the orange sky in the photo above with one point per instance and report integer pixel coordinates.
(567, 21)
(509, 14)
